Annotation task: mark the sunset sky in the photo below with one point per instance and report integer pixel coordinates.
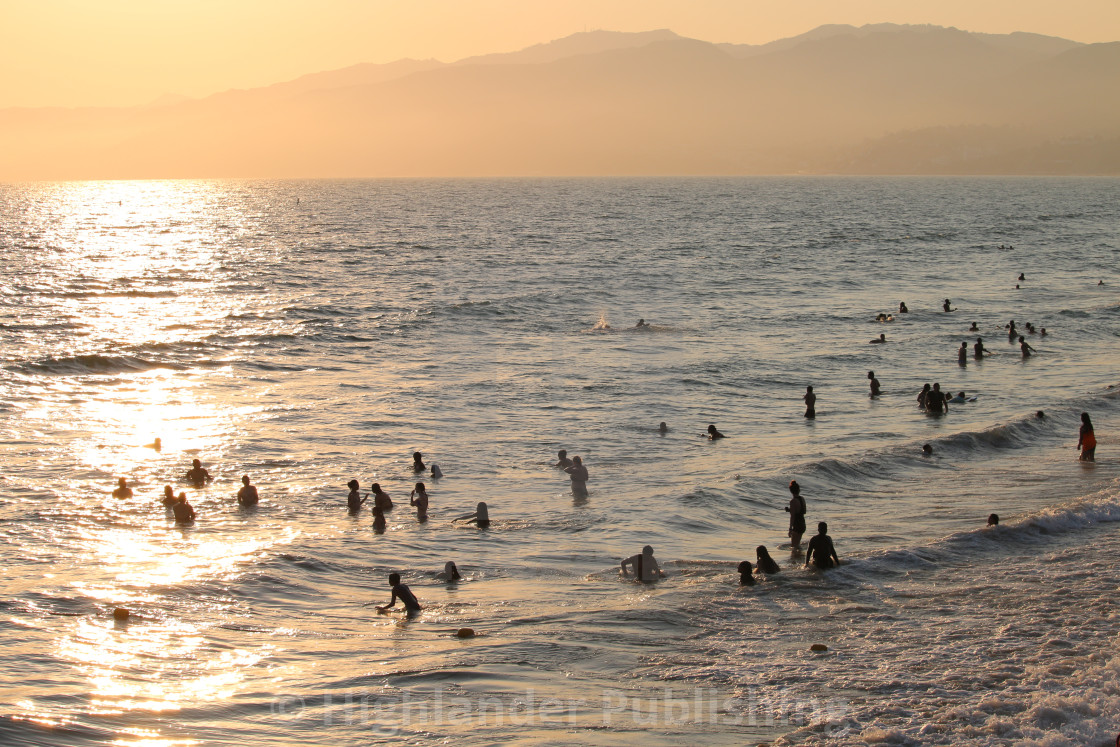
(127, 52)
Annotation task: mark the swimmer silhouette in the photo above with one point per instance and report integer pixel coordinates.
(480, 517)
(417, 462)
(197, 475)
(419, 499)
(662, 428)
(355, 500)
(821, 552)
(962, 354)
(184, 512)
(403, 593)
(247, 496)
(378, 519)
(713, 434)
(563, 462)
(449, 573)
(1087, 439)
(978, 350)
(902, 308)
(381, 499)
(1025, 347)
(927, 450)
(879, 340)
(578, 474)
(974, 328)
(874, 383)
(122, 491)
(746, 577)
(645, 566)
(993, 520)
(796, 509)
(436, 472)
(810, 403)
(169, 498)
(765, 563)
(946, 305)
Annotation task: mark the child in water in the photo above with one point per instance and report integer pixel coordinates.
(746, 577)
(403, 593)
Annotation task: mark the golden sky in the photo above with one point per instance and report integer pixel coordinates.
(126, 52)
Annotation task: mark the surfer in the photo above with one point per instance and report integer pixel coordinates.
(874, 383)
(419, 498)
(247, 496)
(645, 566)
(746, 574)
(764, 562)
(197, 475)
(810, 403)
(381, 499)
(1087, 439)
(713, 434)
(481, 516)
(403, 593)
(880, 340)
(978, 350)
(579, 476)
(1025, 347)
(418, 462)
(122, 491)
(796, 509)
(184, 512)
(355, 500)
(563, 462)
(821, 552)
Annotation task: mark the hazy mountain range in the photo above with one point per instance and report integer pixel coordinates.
(881, 99)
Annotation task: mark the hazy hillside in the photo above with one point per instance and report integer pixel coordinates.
(879, 99)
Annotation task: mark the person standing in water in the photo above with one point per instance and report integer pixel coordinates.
(355, 500)
(563, 462)
(936, 401)
(122, 491)
(946, 305)
(184, 512)
(378, 519)
(923, 396)
(821, 552)
(962, 354)
(1025, 347)
(645, 566)
(1087, 440)
(978, 350)
(418, 462)
(796, 509)
(810, 403)
(419, 499)
(403, 593)
(197, 474)
(168, 498)
(381, 499)
(247, 496)
(874, 384)
(578, 474)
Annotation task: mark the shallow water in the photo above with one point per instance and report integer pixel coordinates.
(489, 324)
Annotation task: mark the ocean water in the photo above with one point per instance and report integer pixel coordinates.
(311, 332)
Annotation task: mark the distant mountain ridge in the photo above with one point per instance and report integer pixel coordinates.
(882, 98)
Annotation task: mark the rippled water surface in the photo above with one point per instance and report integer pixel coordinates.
(309, 333)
